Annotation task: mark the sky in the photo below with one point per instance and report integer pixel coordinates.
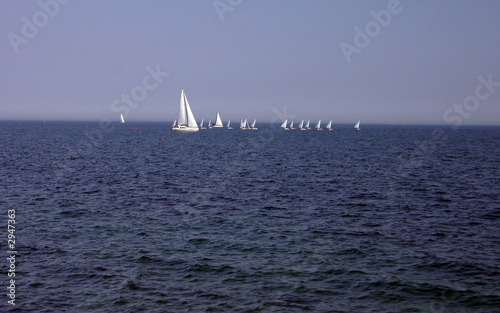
(379, 61)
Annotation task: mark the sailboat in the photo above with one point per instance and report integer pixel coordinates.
(201, 124)
(301, 125)
(244, 124)
(284, 125)
(218, 121)
(186, 121)
(318, 126)
(307, 125)
(122, 120)
(291, 126)
(329, 125)
(229, 124)
(357, 125)
(210, 124)
(253, 125)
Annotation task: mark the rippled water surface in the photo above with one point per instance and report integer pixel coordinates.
(136, 217)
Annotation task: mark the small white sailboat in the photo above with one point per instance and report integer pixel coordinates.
(284, 125)
(244, 124)
(301, 125)
(201, 124)
(291, 125)
(229, 124)
(307, 125)
(186, 121)
(122, 120)
(218, 121)
(357, 125)
(318, 126)
(329, 125)
(210, 124)
(253, 125)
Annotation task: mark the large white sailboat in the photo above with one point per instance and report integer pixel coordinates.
(218, 121)
(357, 125)
(122, 120)
(186, 121)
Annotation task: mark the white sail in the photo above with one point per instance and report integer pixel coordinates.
(307, 124)
(291, 125)
(329, 125)
(122, 120)
(253, 124)
(210, 124)
(201, 123)
(241, 124)
(218, 121)
(318, 126)
(229, 124)
(182, 120)
(245, 124)
(191, 121)
(357, 125)
(186, 121)
(174, 124)
(301, 125)
(284, 125)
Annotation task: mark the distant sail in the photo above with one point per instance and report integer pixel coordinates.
(122, 120)
(329, 125)
(284, 125)
(318, 126)
(357, 125)
(229, 124)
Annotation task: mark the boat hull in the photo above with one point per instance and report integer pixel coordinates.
(186, 129)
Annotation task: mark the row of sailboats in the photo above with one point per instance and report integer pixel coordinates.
(306, 126)
(218, 123)
(187, 122)
(301, 126)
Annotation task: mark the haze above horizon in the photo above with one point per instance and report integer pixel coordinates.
(382, 62)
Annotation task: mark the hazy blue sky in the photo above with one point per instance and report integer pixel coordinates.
(248, 57)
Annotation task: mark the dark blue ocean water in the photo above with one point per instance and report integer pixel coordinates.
(135, 217)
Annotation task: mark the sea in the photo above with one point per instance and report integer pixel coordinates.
(135, 217)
